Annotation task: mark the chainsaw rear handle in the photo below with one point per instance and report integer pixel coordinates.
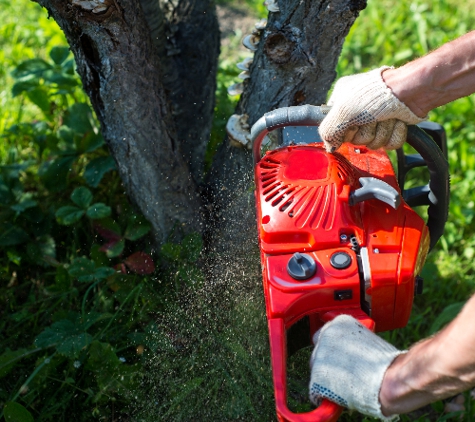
(309, 115)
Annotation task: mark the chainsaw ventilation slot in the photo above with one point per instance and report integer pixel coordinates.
(267, 178)
(271, 187)
(284, 191)
(270, 164)
(286, 205)
(345, 171)
(271, 160)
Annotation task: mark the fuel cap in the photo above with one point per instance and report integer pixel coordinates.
(301, 266)
(340, 260)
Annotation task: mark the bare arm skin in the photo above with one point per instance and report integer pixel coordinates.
(434, 369)
(442, 76)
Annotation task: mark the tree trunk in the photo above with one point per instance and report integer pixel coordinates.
(144, 110)
(294, 64)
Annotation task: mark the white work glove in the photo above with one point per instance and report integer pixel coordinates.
(366, 112)
(348, 365)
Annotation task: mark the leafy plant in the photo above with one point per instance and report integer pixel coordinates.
(82, 198)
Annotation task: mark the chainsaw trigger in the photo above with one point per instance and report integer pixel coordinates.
(372, 188)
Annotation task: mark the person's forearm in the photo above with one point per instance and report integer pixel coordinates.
(436, 79)
(433, 369)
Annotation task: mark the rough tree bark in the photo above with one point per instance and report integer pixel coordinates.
(132, 83)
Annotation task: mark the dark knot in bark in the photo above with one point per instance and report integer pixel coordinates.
(278, 48)
(357, 5)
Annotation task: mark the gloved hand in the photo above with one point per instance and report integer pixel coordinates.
(366, 112)
(348, 365)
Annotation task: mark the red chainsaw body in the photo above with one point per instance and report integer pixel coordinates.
(302, 197)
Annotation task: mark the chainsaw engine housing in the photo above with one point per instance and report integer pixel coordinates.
(367, 255)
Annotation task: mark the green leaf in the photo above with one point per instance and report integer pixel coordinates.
(98, 210)
(109, 229)
(55, 176)
(60, 79)
(96, 169)
(82, 197)
(69, 67)
(191, 247)
(14, 257)
(85, 270)
(50, 141)
(39, 96)
(99, 257)
(78, 118)
(25, 86)
(137, 227)
(447, 315)
(42, 250)
(47, 245)
(24, 204)
(171, 251)
(31, 67)
(68, 215)
(190, 274)
(15, 412)
(13, 236)
(112, 375)
(90, 142)
(62, 280)
(69, 337)
(59, 54)
(114, 249)
(82, 268)
(8, 360)
(67, 135)
(104, 272)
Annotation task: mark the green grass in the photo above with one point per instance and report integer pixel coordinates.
(186, 356)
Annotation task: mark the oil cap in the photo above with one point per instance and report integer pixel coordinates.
(340, 260)
(301, 266)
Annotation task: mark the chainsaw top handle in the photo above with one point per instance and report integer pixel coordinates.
(309, 115)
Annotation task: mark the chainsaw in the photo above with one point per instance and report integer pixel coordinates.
(337, 233)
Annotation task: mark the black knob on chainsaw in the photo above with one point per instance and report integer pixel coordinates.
(340, 260)
(301, 266)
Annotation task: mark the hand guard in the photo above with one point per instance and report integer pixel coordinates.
(366, 112)
(348, 365)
